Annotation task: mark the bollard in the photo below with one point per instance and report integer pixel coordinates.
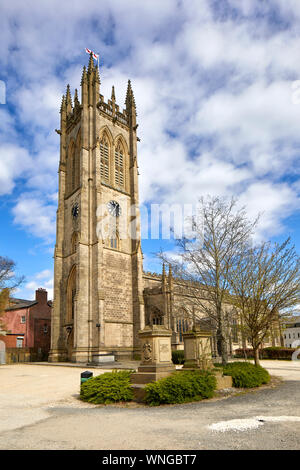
(84, 376)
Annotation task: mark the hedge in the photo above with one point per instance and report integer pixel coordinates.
(277, 353)
(181, 387)
(178, 356)
(266, 353)
(246, 375)
(110, 387)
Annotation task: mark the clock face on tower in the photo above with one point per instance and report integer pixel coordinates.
(114, 208)
(75, 210)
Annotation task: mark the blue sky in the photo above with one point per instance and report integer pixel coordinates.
(215, 84)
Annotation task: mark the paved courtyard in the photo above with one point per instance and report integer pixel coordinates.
(39, 409)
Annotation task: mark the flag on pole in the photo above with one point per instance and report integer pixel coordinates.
(88, 51)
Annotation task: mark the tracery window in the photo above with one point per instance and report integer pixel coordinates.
(71, 293)
(119, 165)
(104, 157)
(71, 169)
(74, 242)
(182, 327)
(156, 316)
(234, 331)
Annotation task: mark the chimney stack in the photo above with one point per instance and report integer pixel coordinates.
(41, 296)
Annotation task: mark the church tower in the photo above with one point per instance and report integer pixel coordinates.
(98, 274)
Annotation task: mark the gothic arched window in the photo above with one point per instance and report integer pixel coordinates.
(104, 157)
(73, 171)
(71, 168)
(114, 243)
(77, 159)
(234, 331)
(183, 323)
(74, 242)
(71, 293)
(156, 316)
(119, 165)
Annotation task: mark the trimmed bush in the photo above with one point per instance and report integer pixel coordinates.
(181, 387)
(240, 353)
(271, 352)
(246, 375)
(110, 387)
(277, 353)
(178, 356)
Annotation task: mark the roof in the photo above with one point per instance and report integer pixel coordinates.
(292, 321)
(16, 304)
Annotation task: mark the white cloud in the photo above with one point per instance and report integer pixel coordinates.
(30, 288)
(212, 90)
(275, 202)
(35, 216)
(14, 163)
(43, 274)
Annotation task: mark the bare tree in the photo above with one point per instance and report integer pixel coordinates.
(9, 281)
(265, 286)
(221, 231)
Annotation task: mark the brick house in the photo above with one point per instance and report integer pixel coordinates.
(28, 323)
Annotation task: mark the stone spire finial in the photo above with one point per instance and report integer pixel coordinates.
(130, 101)
(170, 276)
(76, 100)
(164, 277)
(91, 65)
(63, 106)
(97, 75)
(130, 108)
(69, 100)
(113, 96)
(84, 75)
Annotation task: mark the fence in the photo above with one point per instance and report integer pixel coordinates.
(17, 355)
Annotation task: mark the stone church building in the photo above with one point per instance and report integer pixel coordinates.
(102, 296)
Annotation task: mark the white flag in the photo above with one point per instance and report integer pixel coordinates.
(88, 51)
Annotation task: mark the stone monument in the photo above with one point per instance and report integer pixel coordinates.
(197, 349)
(156, 360)
(197, 355)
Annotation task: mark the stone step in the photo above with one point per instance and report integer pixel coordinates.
(148, 377)
(139, 392)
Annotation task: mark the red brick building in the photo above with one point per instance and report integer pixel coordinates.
(28, 323)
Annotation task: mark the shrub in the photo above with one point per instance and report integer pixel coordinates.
(110, 387)
(181, 387)
(246, 375)
(240, 353)
(277, 353)
(271, 352)
(178, 356)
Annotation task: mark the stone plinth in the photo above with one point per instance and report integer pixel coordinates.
(197, 350)
(156, 360)
(223, 381)
(102, 358)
